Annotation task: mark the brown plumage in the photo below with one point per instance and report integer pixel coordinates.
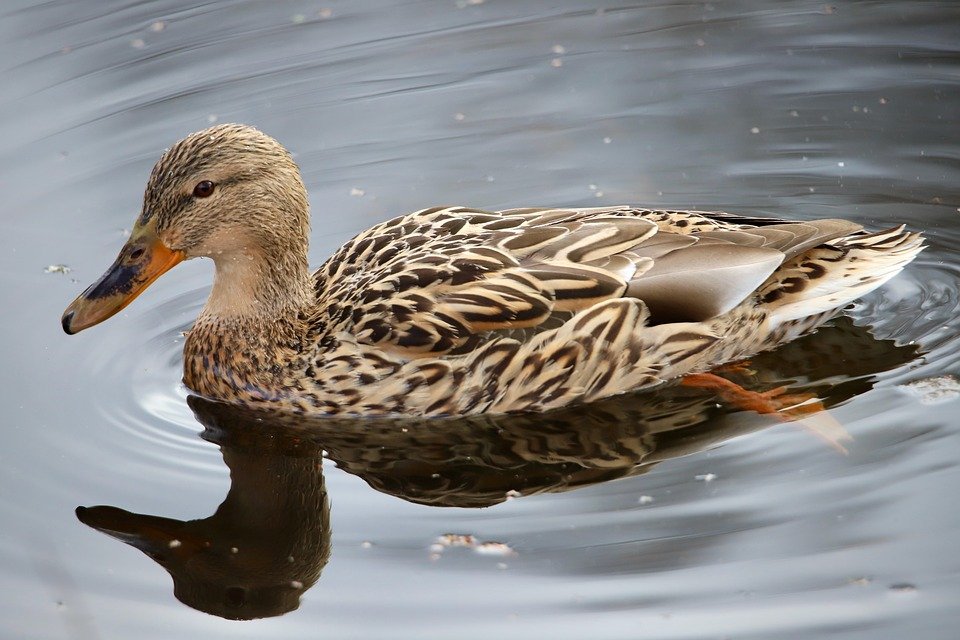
(453, 310)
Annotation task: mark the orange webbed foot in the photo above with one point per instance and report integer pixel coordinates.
(789, 407)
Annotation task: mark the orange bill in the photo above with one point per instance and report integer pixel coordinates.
(141, 261)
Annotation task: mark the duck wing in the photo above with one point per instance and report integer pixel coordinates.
(442, 280)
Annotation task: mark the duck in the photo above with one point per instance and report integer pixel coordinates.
(457, 311)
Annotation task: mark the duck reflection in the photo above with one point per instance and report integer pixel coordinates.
(270, 538)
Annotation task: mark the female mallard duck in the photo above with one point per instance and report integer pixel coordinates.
(452, 310)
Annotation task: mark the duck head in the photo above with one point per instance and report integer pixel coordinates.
(230, 193)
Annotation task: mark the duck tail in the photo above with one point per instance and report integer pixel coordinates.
(828, 277)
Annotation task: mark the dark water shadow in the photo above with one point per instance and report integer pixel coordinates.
(269, 540)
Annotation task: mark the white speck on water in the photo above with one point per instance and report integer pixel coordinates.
(592, 187)
(357, 193)
(558, 49)
(556, 62)
(607, 140)
(701, 42)
(173, 544)
(645, 499)
(754, 129)
(366, 544)
(57, 268)
(841, 164)
(459, 117)
(934, 390)
(298, 18)
(158, 26)
(794, 113)
(706, 477)
(502, 565)
(325, 13)
(138, 43)
(862, 581)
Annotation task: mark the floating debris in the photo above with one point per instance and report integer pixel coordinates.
(357, 193)
(456, 540)
(57, 268)
(607, 140)
(645, 500)
(934, 390)
(494, 549)
(903, 589)
(705, 477)
(487, 547)
(754, 129)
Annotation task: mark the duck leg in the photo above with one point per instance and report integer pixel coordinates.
(789, 407)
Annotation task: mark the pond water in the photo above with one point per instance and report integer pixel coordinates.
(647, 516)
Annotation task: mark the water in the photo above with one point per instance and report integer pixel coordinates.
(657, 516)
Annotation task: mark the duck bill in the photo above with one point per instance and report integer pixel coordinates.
(141, 261)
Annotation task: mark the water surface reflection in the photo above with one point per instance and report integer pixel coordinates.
(270, 538)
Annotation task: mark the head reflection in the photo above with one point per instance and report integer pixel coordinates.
(268, 541)
(264, 545)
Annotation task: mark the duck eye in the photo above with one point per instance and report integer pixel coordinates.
(136, 253)
(204, 189)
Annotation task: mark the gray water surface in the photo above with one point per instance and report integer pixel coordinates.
(648, 516)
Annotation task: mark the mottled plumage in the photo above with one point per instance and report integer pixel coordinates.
(456, 311)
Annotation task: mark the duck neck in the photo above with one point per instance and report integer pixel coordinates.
(256, 286)
(252, 326)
